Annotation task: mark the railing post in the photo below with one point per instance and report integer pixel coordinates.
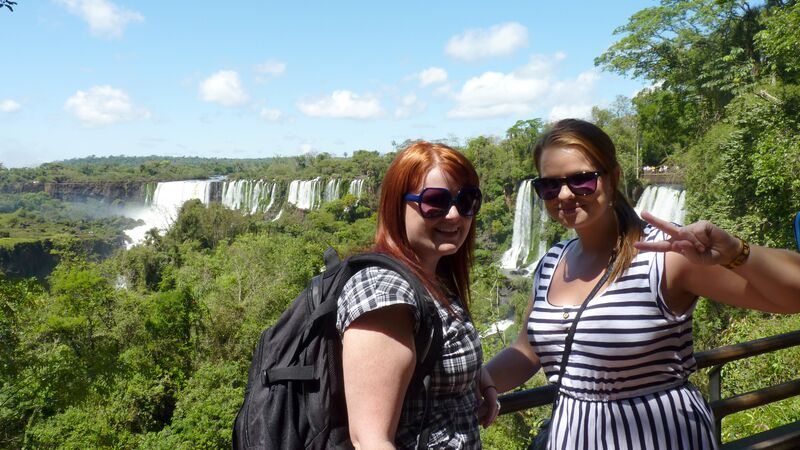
(714, 394)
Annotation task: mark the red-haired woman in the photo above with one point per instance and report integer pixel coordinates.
(624, 383)
(428, 201)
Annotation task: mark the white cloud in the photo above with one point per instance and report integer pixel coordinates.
(103, 105)
(271, 68)
(432, 75)
(532, 87)
(498, 94)
(409, 105)
(270, 115)
(573, 97)
(444, 90)
(225, 88)
(105, 19)
(9, 106)
(341, 104)
(479, 43)
(559, 112)
(308, 149)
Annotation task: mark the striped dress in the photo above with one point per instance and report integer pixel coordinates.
(625, 386)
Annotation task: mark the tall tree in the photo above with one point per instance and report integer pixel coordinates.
(8, 4)
(703, 50)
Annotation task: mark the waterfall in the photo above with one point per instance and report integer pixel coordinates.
(246, 195)
(663, 201)
(527, 234)
(305, 194)
(521, 239)
(280, 213)
(271, 197)
(332, 190)
(356, 187)
(163, 208)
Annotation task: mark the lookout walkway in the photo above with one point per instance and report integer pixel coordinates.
(783, 437)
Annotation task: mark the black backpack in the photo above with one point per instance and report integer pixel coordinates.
(295, 393)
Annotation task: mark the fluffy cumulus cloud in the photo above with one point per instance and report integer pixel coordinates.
(9, 106)
(409, 105)
(532, 87)
(105, 19)
(270, 115)
(103, 105)
(479, 43)
(271, 68)
(573, 97)
(432, 75)
(341, 104)
(225, 88)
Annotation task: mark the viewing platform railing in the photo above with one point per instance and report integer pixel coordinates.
(662, 177)
(783, 437)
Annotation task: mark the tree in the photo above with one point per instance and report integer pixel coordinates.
(702, 50)
(779, 41)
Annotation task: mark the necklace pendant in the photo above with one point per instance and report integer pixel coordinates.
(566, 314)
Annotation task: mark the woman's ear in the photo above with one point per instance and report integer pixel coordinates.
(615, 175)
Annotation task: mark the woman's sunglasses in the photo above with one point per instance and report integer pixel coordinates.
(436, 202)
(583, 183)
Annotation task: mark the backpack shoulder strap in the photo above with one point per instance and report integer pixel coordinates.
(428, 340)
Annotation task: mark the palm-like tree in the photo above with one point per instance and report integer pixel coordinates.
(8, 4)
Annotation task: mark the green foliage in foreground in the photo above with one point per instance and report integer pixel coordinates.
(162, 363)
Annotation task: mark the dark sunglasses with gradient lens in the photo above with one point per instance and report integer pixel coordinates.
(583, 183)
(436, 202)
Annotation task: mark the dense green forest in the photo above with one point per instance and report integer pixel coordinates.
(148, 348)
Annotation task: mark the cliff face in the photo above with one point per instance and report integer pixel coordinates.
(18, 188)
(37, 258)
(101, 190)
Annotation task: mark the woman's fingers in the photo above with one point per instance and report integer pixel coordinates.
(667, 227)
(654, 246)
(682, 239)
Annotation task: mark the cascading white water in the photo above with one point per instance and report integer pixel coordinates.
(163, 200)
(332, 190)
(305, 194)
(166, 201)
(247, 195)
(521, 239)
(527, 234)
(665, 201)
(356, 187)
(271, 197)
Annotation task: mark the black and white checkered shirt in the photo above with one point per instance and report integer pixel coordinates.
(453, 420)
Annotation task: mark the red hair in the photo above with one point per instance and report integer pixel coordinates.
(405, 174)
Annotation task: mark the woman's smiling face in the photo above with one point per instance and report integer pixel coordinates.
(435, 237)
(570, 210)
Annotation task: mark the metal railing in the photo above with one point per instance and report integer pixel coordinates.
(714, 358)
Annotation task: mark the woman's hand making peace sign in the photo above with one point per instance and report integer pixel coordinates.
(700, 242)
(703, 259)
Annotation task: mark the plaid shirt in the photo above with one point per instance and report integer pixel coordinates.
(453, 421)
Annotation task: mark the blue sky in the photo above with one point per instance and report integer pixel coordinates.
(252, 79)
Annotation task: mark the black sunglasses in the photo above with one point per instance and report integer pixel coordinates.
(436, 202)
(583, 183)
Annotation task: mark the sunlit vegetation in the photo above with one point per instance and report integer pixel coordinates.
(148, 348)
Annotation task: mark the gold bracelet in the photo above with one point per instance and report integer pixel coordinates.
(744, 253)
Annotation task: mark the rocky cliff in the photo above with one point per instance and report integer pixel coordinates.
(101, 190)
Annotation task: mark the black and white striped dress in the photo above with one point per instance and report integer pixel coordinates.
(625, 386)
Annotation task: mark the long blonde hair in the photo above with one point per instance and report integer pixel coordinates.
(597, 145)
